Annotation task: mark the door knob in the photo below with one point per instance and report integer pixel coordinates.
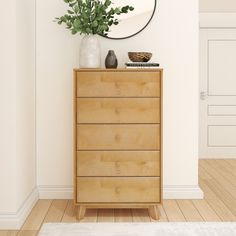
(203, 95)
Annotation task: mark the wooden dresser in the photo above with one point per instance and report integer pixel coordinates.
(117, 127)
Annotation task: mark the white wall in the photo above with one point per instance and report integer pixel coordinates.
(8, 107)
(173, 38)
(217, 5)
(130, 25)
(25, 100)
(17, 101)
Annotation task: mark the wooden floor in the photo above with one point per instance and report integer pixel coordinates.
(217, 179)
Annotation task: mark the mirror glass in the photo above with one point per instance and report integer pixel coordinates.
(133, 22)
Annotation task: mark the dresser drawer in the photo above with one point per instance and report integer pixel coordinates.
(123, 84)
(118, 190)
(118, 110)
(118, 137)
(118, 163)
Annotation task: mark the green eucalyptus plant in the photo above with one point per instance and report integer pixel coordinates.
(91, 16)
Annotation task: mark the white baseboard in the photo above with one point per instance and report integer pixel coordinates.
(55, 192)
(233, 157)
(170, 192)
(182, 192)
(14, 221)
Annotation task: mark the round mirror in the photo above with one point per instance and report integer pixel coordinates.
(134, 21)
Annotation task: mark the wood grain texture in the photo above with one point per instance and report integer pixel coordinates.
(118, 83)
(106, 215)
(228, 166)
(225, 171)
(74, 136)
(219, 176)
(123, 215)
(162, 214)
(118, 163)
(28, 233)
(56, 211)
(118, 190)
(189, 211)
(215, 200)
(80, 212)
(208, 193)
(70, 212)
(37, 215)
(118, 110)
(173, 211)
(118, 134)
(118, 137)
(224, 194)
(8, 233)
(231, 162)
(207, 213)
(221, 210)
(91, 215)
(216, 203)
(203, 174)
(140, 215)
(154, 212)
(114, 205)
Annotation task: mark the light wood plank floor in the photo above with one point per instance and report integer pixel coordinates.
(217, 179)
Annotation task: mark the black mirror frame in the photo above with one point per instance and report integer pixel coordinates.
(153, 13)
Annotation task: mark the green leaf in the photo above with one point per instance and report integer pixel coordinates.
(77, 23)
(70, 12)
(91, 16)
(95, 24)
(73, 31)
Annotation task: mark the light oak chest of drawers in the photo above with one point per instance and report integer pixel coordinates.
(117, 148)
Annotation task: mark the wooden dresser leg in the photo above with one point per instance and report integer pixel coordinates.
(153, 212)
(80, 212)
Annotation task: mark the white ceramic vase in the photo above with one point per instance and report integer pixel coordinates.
(90, 52)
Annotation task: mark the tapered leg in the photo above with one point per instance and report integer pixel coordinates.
(80, 212)
(153, 212)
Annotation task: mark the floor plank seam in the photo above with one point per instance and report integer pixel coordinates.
(64, 211)
(45, 216)
(198, 211)
(165, 213)
(181, 210)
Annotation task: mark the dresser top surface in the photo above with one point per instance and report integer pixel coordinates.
(119, 70)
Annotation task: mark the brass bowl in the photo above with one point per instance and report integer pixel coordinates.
(140, 56)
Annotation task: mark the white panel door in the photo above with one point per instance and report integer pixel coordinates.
(217, 93)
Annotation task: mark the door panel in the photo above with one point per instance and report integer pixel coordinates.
(217, 93)
(222, 136)
(221, 67)
(222, 110)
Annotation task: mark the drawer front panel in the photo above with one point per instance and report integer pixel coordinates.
(118, 137)
(123, 84)
(118, 163)
(118, 190)
(118, 110)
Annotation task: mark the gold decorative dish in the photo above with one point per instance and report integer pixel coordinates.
(140, 56)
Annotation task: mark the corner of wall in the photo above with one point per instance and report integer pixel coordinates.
(183, 192)
(14, 221)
